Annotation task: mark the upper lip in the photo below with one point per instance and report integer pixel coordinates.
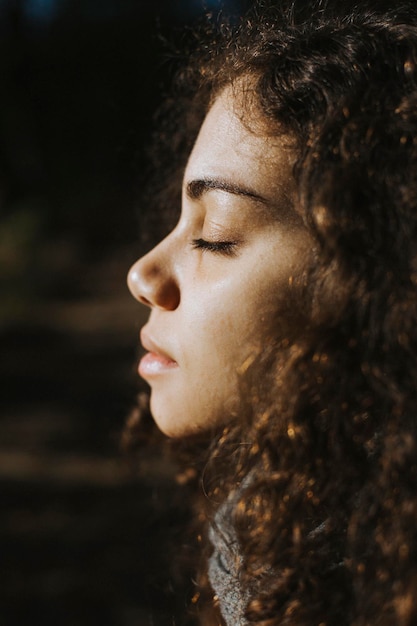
(151, 346)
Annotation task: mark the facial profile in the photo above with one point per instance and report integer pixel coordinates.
(219, 284)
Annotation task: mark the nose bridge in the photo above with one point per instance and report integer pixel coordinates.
(152, 278)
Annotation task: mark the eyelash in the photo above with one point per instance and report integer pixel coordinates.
(227, 248)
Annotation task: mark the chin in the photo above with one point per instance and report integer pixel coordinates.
(167, 420)
(174, 426)
(178, 421)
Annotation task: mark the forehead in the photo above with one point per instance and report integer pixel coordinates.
(233, 144)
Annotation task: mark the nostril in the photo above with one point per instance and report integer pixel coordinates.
(144, 300)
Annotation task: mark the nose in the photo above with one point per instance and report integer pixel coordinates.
(152, 281)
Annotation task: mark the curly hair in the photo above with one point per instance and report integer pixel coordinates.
(328, 425)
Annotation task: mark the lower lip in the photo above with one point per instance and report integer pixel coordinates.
(154, 364)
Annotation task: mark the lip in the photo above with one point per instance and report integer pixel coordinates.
(156, 361)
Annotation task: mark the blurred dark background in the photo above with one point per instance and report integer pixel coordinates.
(82, 540)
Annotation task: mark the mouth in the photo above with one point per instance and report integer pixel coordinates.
(155, 362)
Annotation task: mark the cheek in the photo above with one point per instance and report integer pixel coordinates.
(214, 306)
(219, 337)
(230, 318)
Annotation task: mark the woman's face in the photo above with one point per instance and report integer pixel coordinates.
(219, 285)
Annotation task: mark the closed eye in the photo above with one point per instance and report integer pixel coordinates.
(227, 248)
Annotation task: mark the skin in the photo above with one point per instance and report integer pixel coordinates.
(214, 305)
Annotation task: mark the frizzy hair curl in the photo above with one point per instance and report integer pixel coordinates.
(327, 435)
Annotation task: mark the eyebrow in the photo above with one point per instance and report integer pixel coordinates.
(195, 189)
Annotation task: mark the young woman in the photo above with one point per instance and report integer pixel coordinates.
(284, 309)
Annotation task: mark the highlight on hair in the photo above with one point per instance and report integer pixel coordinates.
(328, 427)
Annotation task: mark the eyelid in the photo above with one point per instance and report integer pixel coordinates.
(227, 248)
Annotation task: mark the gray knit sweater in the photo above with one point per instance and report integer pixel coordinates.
(224, 567)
